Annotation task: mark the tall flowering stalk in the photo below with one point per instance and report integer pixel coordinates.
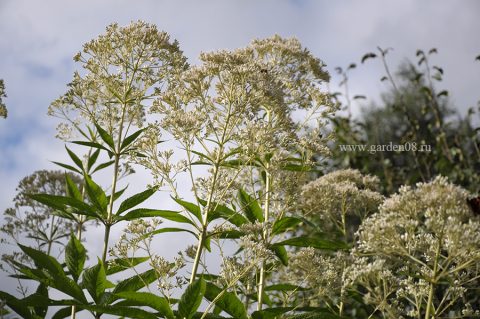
(123, 69)
(235, 113)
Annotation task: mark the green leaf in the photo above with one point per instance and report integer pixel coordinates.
(121, 264)
(191, 299)
(136, 282)
(69, 167)
(75, 256)
(271, 313)
(228, 234)
(57, 277)
(285, 223)
(107, 138)
(123, 312)
(72, 189)
(129, 139)
(91, 144)
(135, 200)
(285, 287)
(97, 195)
(92, 159)
(319, 313)
(227, 301)
(190, 207)
(94, 279)
(117, 194)
(319, 243)
(102, 166)
(148, 299)
(145, 212)
(222, 211)
(60, 203)
(281, 253)
(42, 308)
(167, 230)
(16, 305)
(75, 158)
(43, 260)
(66, 312)
(250, 206)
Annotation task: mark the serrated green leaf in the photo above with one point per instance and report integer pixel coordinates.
(271, 313)
(69, 167)
(316, 314)
(285, 223)
(92, 159)
(102, 166)
(135, 200)
(72, 189)
(91, 144)
(250, 206)
(222, 211)
(120, 264)
(136, 282)
(107, 138)
(129, 139)
(150, 300)
(123, 312)
(145, 212)
(42, 308)
(75, 256)
(285, 287)
(281, 253)
(96, 195)
(118, 194)
(66, 312)
(57, 277)
(94, 279)
(191, 299)
(190, 207)
(75, 158)
(166, 230)
(227, 301)
(16, 305)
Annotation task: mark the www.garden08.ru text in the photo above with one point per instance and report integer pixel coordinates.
(372, 149)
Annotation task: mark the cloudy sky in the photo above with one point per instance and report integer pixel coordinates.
(39, 38)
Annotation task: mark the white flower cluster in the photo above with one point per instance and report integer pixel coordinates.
(341, 199)
(425, 236)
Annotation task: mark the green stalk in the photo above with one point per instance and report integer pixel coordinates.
(50, 240)
(432, 285)
(79, 236)
(268, 186)
(203, 233)
(116, 166)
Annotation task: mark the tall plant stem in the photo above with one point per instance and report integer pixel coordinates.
(50, 240)
(268, 186)
(116, 166)
(428, 312)
(266, 216)
(203, 233)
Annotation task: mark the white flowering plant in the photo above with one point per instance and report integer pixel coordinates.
(235, 142)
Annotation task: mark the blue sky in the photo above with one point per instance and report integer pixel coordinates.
(39, 38)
